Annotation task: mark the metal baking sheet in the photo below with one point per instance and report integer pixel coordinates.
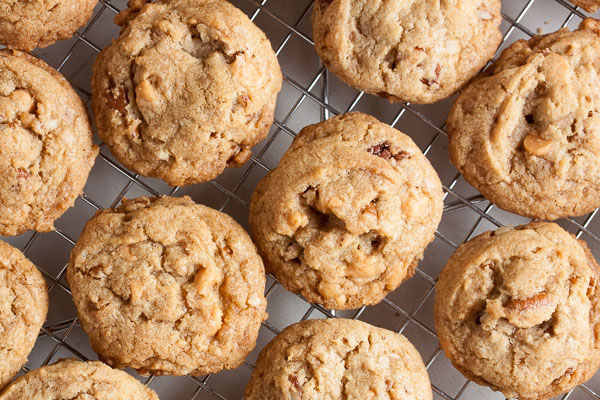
(309, 95)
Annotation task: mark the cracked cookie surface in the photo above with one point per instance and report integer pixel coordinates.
(74, 380)
(518, 310)
(526, 134)
(347, 214)
(39, 23)
(420, 51)
(47, 150)
(23, 308)
(338, 359)
(167, 286)
(186, 90)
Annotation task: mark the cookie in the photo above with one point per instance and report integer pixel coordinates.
(47, 150)
(39, 23)
(420, 51)
(524, 134)
(186, 90)
(168, 287)
(73, 379)
(587, 5)
(518, 310)
(338, 358)
(23, 308)
(347, 214)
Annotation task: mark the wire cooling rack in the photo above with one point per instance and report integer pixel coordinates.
(310, 94)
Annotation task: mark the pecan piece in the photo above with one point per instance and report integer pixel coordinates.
(295, 384)
(402, 155)
(383, 150)
(117, 103)
(22, 174)
(430, 82)
(535, 301)
(568, 372)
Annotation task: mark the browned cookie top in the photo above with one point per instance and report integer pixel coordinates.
(338, 359)
(167, 286)
(527, 133)
(23, 308)
(419, 50)
(46, 149)
(77, 380)
(27, 24)
(518, 309)
(348, 212)
(186, 90)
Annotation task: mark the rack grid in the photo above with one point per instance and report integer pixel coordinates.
(310, 94)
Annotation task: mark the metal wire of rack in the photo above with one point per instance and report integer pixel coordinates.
(310, 94)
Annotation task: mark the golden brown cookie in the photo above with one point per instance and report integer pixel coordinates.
(518, 310)
(338, 359)
(46, 150)
(23, 308)
(27, 24)
(186, 90)
(347, 214)
(168, 287)
(420, 51)
(525, 134)
(72, 379)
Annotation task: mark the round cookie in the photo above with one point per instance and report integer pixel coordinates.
(168, 287)
(526, 133)
(518, 310)
(338, 358)
(23, 309)
(39, 23)
(73, 379)
(347, 214)
(47, 150)
(420, 51)
(186, 90)
(587, 5)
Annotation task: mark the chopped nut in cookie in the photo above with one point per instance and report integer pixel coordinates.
(117, 100)
(383, 150)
